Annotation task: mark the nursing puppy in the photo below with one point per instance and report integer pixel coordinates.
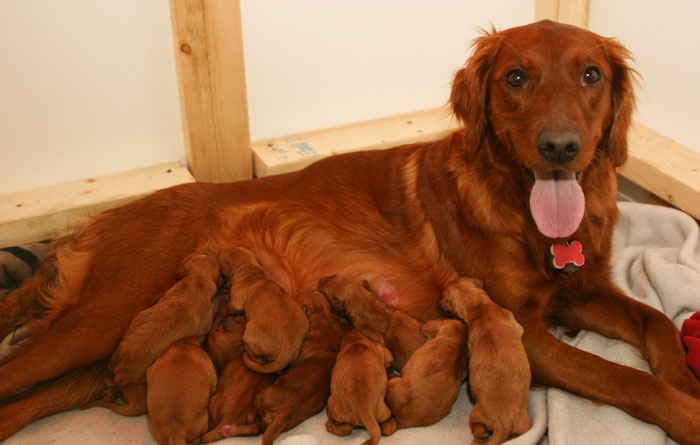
(180, 383)
(430, 381)
(183, 311)
(225, 341)
(358, 387)
(276, 325)
(399, 332)
(235, 393)
(302, 391)
(499, 371)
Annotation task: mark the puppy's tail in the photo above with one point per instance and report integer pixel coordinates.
(372, 426)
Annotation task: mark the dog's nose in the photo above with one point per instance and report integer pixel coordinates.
(559, 146)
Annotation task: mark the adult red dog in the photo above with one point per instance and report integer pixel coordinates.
(546, 109)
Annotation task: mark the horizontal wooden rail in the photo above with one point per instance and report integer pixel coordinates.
(38, 214)
(293, 152)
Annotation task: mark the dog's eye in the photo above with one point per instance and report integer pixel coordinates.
(591, 75)
(515, 78)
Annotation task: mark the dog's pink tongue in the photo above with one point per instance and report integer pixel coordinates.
(557, 203)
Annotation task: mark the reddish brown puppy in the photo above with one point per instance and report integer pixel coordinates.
(430, 381)
(499, 372)
(180, 383)
(395, 329)
(235, 393)
(225, 341)
(358, 387)
(302, 391)
(183, 311)
(276, 324)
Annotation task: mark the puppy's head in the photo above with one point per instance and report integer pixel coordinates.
(313, 302)
(337, 288)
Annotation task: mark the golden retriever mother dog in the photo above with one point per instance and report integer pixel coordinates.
(531, 176)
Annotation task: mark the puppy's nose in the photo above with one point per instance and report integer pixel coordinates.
(559, 145)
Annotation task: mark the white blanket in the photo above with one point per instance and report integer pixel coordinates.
(656, 260)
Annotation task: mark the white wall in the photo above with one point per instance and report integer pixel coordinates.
(663, 38)
(317, 63)
(87, 87)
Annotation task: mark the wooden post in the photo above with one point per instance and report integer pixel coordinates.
(209, 57)
(546, 9)
(573, 12)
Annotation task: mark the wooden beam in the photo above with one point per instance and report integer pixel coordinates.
(40, 214)
(572, 12)
(546, 10)
(209, 58)
(665, 168)
(296, 151)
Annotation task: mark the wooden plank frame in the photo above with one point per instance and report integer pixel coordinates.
(41, 214)
(211, 77)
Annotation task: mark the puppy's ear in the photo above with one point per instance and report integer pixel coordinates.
(365, 285)
(445, 302)
(624, 79)
(388, 357)
(469, 89)
(430, 328)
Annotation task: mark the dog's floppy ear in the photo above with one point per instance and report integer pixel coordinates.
(469, 89)
(624, 78)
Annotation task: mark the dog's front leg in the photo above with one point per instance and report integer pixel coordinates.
(608, 311)
(640, 394)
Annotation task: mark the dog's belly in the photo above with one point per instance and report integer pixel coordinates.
(297, 246)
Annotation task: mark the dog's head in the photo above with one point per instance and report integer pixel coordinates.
(548, 99)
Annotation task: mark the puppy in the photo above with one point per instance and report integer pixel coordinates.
(276, 324)
(183, 311)
(302, 391)
(235, 393)
(430, 381)
(358, 387)
(225, 341)
(398, 331)
(499, 371)
(180, 383)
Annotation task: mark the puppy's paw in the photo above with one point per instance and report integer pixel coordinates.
(480, 432)
(338, 428)
(389, 427)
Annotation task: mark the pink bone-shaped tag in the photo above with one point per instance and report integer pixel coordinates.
(567, 253)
